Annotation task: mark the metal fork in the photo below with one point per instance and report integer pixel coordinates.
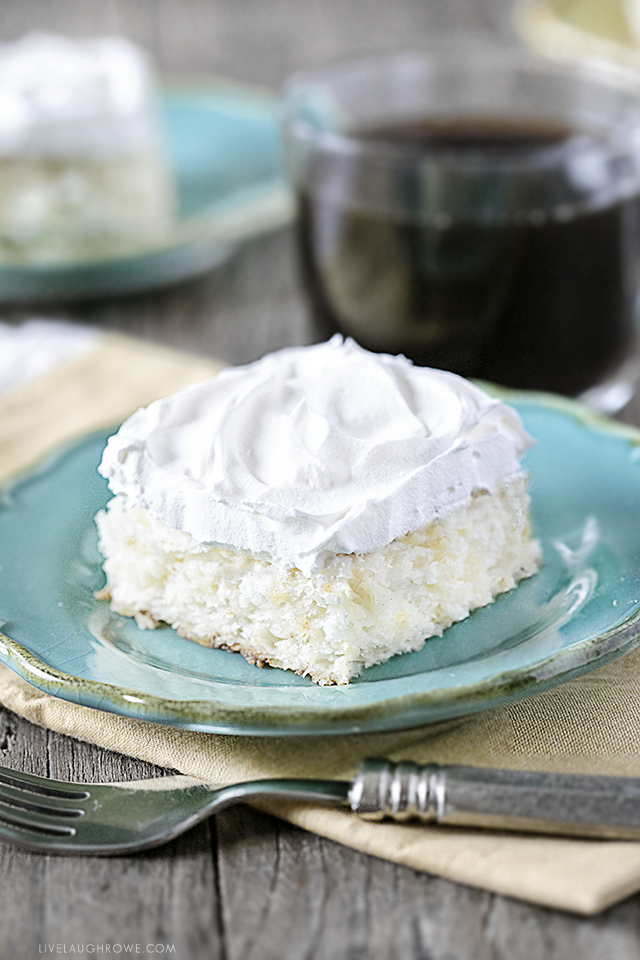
(103, 819)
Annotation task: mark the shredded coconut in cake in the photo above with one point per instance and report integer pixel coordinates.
(359, 610)
(320, 510)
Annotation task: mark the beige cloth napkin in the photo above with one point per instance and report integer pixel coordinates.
(590, 725)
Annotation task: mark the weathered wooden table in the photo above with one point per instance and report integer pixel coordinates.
(245, 886)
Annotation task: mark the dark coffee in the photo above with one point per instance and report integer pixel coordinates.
(539, 298)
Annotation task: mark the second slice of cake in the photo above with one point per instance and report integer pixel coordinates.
(83, 171)
(320, 510)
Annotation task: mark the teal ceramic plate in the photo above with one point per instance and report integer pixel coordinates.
(224, 151)
(579, 611)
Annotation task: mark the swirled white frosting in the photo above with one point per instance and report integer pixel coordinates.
(314, 451)
(61, 97)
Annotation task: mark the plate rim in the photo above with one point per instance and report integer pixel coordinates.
(420, 707)
(384, 716)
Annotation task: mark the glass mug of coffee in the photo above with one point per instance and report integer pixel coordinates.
(477, 209)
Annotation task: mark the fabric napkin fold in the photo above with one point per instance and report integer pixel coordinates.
(589, 725)
(582, 29)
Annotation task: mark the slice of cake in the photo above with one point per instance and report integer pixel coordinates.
(82, 163)
(320, 510)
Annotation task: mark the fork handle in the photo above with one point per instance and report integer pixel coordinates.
(598, 806)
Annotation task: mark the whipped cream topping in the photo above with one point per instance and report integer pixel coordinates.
(314, 451)
(61, 97)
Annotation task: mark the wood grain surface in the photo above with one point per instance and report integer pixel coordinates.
(246, 886)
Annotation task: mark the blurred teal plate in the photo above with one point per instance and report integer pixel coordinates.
(224, 150)
(578, 612)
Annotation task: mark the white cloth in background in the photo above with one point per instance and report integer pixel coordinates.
(38, 346)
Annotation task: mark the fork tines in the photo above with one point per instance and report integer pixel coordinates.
(31, 805)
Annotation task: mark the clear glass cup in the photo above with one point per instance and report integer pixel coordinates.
(476, 208)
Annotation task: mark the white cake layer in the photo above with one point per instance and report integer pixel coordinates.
(59, 210)
(361, 609)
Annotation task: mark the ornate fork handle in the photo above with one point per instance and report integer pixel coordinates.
(501, 799)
